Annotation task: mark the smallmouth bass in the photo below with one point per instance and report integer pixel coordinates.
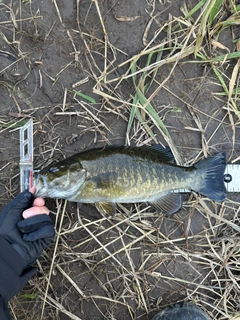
(106, 176)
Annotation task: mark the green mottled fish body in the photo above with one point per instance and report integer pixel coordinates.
(128, 175)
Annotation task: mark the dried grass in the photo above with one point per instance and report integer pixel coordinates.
(140, 261)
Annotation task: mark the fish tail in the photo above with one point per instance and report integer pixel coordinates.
(213, 169)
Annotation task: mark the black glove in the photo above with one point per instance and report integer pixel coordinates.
(29, 237)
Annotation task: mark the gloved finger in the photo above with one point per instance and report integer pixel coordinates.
(34, 223)
(34, 211)
(19, 204)
(45, 232)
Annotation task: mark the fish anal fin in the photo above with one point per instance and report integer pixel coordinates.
(106, 208)
(169, 203)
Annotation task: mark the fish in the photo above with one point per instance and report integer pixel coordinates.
(127, 174)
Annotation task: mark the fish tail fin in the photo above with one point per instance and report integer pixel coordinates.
(213, 169)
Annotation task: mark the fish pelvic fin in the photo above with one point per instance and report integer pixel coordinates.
(213, 169)
(169, 203)
(106, 208)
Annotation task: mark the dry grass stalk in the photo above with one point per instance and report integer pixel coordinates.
(109, 246)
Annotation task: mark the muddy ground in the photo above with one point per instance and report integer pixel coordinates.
(133, 264)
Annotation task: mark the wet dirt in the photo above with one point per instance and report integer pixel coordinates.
(43, 56)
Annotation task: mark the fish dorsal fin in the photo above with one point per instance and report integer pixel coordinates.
(164, 153)
(169, 203)
(106, 208)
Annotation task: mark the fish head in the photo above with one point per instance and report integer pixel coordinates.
(62, 180)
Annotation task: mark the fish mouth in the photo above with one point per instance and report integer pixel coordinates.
(36, 178)
(40, 183)
(45, 189)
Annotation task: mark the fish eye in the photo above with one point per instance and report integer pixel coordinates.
(53, 169)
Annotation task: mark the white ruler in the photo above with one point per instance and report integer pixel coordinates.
(232, 177)
(26, 156)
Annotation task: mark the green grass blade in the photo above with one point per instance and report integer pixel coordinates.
(225, 88)
(159, 124)
(221, 58)
(195, 9)
(220, 78)
(31, 296)
(143, 88)
(148, 85)
(131, 118)
(141, 84)
(202, 30)
(235, 92)
(234, 8)
(233, 20)
(213, 13)
(152, 113)
(145, 125)
(133, 69)
(84, 96)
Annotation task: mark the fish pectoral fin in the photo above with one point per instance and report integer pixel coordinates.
(106, 208)
(168, 203)
(103, 180)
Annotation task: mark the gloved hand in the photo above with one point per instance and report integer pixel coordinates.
(29, 237)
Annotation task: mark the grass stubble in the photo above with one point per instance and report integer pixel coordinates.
(129, 255)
